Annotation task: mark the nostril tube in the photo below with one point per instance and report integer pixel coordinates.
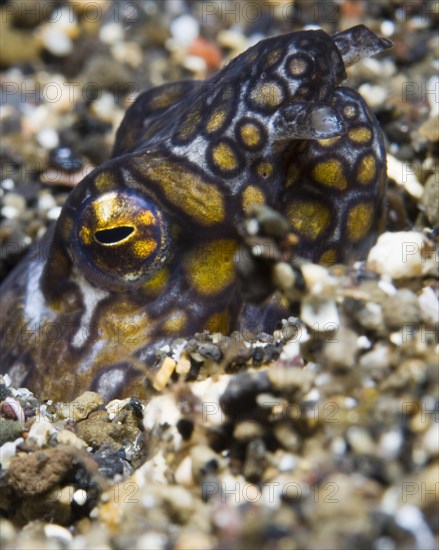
(359, 42)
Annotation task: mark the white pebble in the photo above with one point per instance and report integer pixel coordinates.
(429, 305)
(390, 500)
(431, 440)
(67, 437)
(396, 338)
(288, 463)
(51, 530)
(56, 41)
(291, 350)
(410, 518)
(104, 107)
(363, 342)
(321, 316)
(338, 446)
(40, 432)
(9, 212)
(160, 410)
(16, 200)
(195, 64)
(402, 254)
(46, 201)
(64, 19)
(80, 497)
(183, 473)
(61, 94)
(283, 275)
(8, 451)
(153, 541)
(48, 138)
(312, 396)
(360, 440)
(35, 117)
(384, 543)
(318, 281)
(350, 402)
(8, 184)
(402, 173)
(374, 95)
(234, 40)
(209, 392)
(252, 227)
(54, 213)
(270, 494)
(111, 32)
(114, 407)
(127, 52)
(184, 29)
(433, 98)
(267, 400)
(376, 359)
(387, 28)
(387, 287)
(6, 379)
(390, 445)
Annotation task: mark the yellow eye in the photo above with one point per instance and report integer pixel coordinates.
(120, 240)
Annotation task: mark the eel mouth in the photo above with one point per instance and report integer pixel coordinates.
(359, 42)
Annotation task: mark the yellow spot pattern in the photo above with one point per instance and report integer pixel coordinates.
(297, 66)
(105, 182)
(125, 327)
(273, 57)
(267, 94)
(328, 142)
(189, 125)
(359, 221)
(252, 195)
(224, 157)
(106, 209)
(216, 121)
(264, 169)
(66, 227)
(292, 174)
(330, 173)
(166, 97)
(146, 218)
(250, 134)
(310, 218)
(209, 267)
(218, 322)
(329, 257)
(86, 235)
(366, 169)
(157, 282)
(143, 248)
(185, 189)
(350, 111)
(362, 134)
(175, 322)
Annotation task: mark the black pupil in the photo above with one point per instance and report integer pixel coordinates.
(114, 235)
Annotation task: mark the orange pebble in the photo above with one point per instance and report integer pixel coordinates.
(211, 54)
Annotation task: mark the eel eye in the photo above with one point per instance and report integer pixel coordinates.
(120, 240)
